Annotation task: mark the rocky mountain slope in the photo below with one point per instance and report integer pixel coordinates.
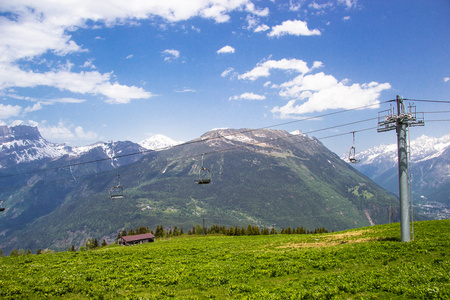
(259, 177)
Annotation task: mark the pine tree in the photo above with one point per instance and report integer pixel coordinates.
(243, 231)
(104, 243)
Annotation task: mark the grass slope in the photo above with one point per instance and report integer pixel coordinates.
(369, 263)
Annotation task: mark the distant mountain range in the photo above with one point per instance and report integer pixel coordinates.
(21, 144)
(57, 195)
(430, 170)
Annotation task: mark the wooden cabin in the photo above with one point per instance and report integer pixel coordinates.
(136, 239)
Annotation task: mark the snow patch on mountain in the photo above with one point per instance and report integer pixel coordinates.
(422, 148)
(158, 142)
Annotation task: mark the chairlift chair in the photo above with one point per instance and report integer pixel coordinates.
(2, 205)
(116, 192)
(352, 152)
(204, 175)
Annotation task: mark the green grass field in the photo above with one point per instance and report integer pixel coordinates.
(364, 263)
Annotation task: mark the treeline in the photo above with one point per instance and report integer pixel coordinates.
(161, 232)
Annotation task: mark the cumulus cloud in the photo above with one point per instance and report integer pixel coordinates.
(320, 92)
(248, 96)
(170, 54)
(64, 132)
(295, 27)
(261, 28)
(31, 28)
(309, 92)
(225, 49)
(84, 83)
(263, 69)
(446, 79)
(9, 111)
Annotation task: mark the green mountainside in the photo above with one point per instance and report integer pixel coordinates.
(363, 263)
(261, 177)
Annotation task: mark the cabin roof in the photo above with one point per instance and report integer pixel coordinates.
(138, 237)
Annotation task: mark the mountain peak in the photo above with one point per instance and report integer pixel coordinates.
(158, 142)
(20, 132)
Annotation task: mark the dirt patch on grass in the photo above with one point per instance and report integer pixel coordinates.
(330, 240)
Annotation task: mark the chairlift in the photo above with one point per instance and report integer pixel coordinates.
(116, 192)
(352, 152)
(2, 205)
(204, 175)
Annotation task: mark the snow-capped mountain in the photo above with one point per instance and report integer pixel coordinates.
(21, 143)
(24, 144)
(158, 142)
(384, 157)
(429, 167)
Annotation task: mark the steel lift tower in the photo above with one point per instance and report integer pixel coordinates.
(389, 120)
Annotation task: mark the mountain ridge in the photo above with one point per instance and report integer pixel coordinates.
(429, 167)
(262, 177)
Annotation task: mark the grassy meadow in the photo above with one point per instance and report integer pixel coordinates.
(364, 263)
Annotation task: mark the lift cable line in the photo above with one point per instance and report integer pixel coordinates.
(400, 121)
(221, 136)
(419, 100)
(204, 140)
(100, 174)
(190, 142)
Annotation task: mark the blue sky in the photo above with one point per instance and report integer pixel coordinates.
(84, 71)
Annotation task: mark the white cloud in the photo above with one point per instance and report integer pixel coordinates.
(88, 64)
(170, 54)
(9, 111)
(262, 28)
(35, 107)
(250, 7)
(228, 72)
(349, 4)
(121, 94)
(129, 56)
(30, 28)
(225, 49)
(319, 92)
(263, 69)
(248, 96)
(81, 134)
(318, 6)
(63, 132)
(186, 90)
(295, 27)
(346, 18)
(446, 79)
(84, 83)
